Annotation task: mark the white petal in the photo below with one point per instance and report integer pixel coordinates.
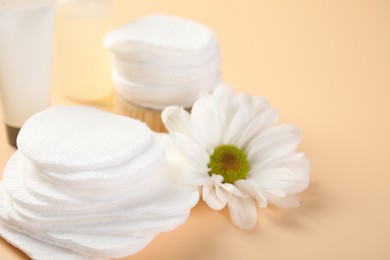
(292, 176)
(206, 188)
(224, 95)
(259, 124)
(243, 211)
(262, 165)
(259, 104)
(298, 164)
(224, 190)
(194, 175)
(279, 173)
(286, 202)
(278, 178)
(265, 165)
(239, 121)
(213, 201)
(221, 193)
(275, 132)
(231, 189)
(192, 151)
(274, 182)
(206, 123)
(211, 197)
(274, 193)
(248, 186)
(297, 186)
(256, 104)
(273, 144)
(176, 120)
(300, 170)
(217, 178)
(198, 155)
(243, 98)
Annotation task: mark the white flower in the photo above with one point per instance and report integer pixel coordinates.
(237, 154)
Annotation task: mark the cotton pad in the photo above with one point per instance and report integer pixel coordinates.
(161, 60)
(37, 249)
(159, 205)
(127, 173)
(164, 204)
(160, 31)
(66, 202)
(75, 139)
(58, 204)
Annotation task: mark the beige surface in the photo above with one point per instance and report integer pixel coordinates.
(325, 65)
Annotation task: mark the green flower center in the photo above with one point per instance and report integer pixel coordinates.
(230, 162)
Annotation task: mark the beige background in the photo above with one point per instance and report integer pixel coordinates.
(325, 65)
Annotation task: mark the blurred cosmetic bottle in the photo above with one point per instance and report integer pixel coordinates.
(26, 40)
(83, 63)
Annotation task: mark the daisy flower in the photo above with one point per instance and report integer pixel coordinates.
(237, 154)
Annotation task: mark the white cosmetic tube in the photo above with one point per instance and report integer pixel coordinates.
(26, 33)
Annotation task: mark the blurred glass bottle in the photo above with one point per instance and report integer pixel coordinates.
(84, 65)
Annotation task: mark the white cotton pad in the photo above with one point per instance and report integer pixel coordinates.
(80, 138)
(160, 60)
(37, 249)
(34, 248)
(161, 31)
(156, 196)
(166, 76)
(70, 224)
(115, 177)
(27, 187)
(156, 97)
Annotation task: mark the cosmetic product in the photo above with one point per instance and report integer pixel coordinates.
(26, 31)
(87, 184)
(84, 65)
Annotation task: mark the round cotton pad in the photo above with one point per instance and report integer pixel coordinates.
(32, 209)
(161, 31)
(37, 249)
(78, 138)
(160, 60)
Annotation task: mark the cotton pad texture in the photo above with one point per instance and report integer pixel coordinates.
(160, 60)
(87, 184)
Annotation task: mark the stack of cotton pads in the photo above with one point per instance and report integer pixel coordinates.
(88, 184)
(160, 60)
